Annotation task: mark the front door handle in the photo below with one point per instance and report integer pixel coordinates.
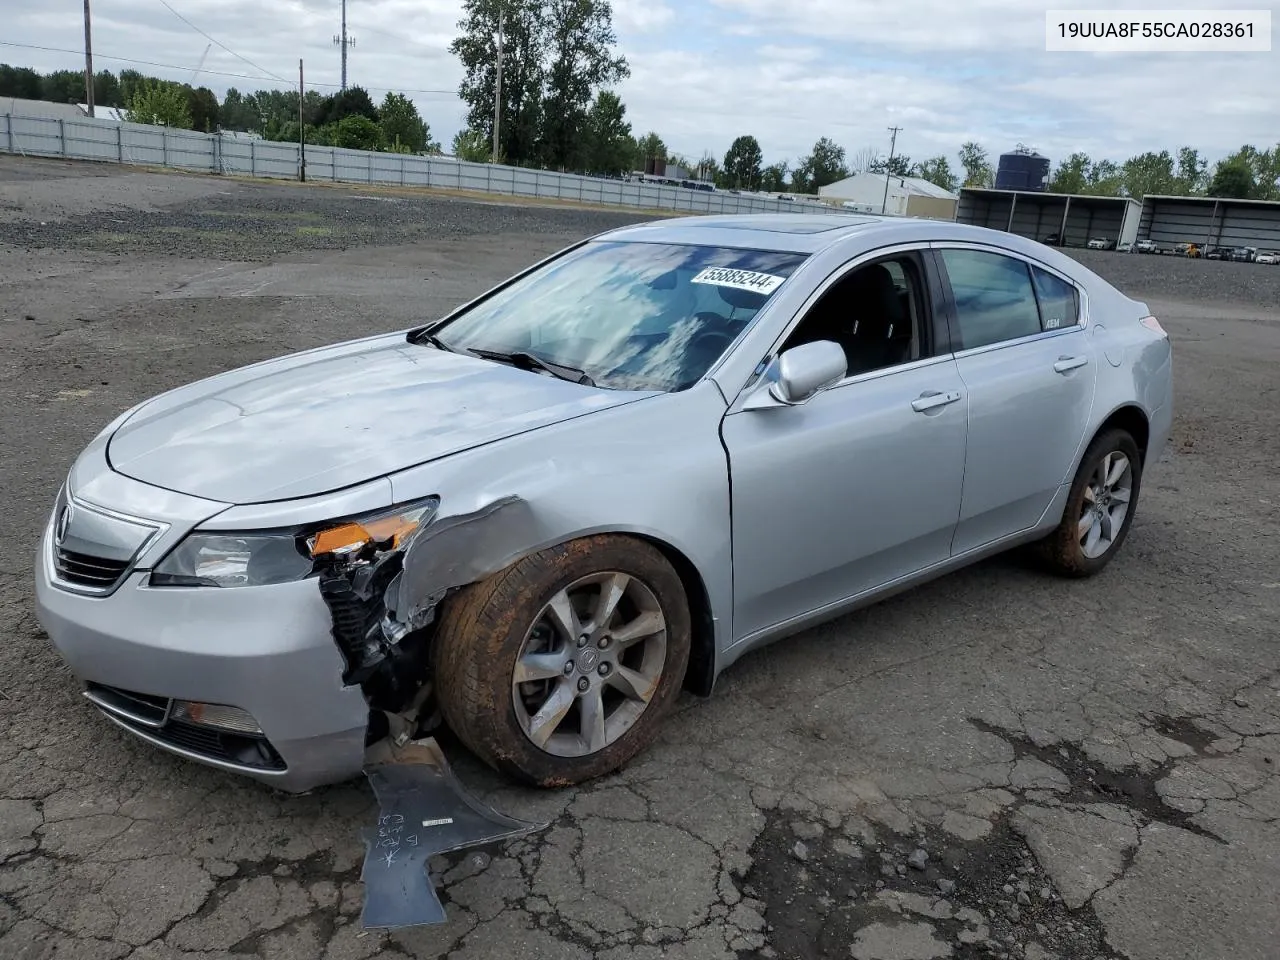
(933, 399)
(1066, 364)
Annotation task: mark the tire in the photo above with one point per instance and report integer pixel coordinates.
(489, 627)
(1068, 551)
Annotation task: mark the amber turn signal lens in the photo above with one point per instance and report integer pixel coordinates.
(350, 537)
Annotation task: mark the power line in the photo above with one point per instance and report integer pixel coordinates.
(220, 43)
(215, 73)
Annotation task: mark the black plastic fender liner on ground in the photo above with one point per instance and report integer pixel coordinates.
(423, 810)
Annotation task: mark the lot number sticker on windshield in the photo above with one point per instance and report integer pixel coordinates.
(762, 283)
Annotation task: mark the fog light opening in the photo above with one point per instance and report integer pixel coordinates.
(216, 715)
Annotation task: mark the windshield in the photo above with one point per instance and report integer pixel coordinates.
(631, 316)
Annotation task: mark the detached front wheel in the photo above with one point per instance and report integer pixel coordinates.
(561, 668)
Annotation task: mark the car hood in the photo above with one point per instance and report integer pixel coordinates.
(319, 421)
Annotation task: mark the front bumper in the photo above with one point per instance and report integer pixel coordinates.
(266, 650)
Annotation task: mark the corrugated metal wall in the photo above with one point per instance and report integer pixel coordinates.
(1224, 223)
(100, 139)
(1036, 217)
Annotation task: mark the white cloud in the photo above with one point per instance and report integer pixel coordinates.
(641, 16)
(705, 71)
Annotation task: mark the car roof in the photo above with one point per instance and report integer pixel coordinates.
(808, 233)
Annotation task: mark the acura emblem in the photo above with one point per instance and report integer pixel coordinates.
(64, 522)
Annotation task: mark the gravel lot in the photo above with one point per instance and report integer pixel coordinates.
(994, 765)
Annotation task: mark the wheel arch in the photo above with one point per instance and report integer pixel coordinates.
(1133, 420)
(700, 674)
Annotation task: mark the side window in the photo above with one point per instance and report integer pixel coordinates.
(1059, 302)
(875, 313)
(994, 297)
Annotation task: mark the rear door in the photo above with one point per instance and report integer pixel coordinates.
(1029, 374)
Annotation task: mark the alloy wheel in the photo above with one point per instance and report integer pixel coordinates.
(589, 664)
(1107, 496)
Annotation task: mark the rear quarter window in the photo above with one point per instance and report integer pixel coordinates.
(1059, 300)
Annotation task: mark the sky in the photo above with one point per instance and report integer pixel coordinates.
(706, 71)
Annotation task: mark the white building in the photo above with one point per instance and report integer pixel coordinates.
(907, 196)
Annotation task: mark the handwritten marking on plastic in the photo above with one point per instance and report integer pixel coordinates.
(391, 835)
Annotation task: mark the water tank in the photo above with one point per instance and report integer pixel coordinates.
(1022, 169)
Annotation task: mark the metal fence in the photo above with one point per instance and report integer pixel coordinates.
(133, 143)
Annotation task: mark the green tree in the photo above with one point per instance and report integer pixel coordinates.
(1106, 179)
(130, 82)
(1263, 167)
(937, 170)
(580, 44)
(106, 89)
(651, 149)
(357, 132)
(1072, 175)
(63, 86)
(897, 166)
(161, 103)
(472, 146)
(773, 178)
(1149, 173)
(351, 102)
(610, 148)
(203, 107)
(1232, 178)
(523, 72)
(742, 163)
(1192, 172)
(977, 168)
(238, 113)
(824, 165)
(401, 123)
(21, 82)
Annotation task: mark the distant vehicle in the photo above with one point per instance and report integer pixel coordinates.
(1268, 256)
(1125, 247)
(1187, 250)
(1052, 240)
(1244, 254)
(1099, 243)
(1147, 246)
(1218, 253)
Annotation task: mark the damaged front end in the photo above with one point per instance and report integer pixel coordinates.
(360, 563)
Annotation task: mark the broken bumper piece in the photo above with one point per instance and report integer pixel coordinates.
(423, 810)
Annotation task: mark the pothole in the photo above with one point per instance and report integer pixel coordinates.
(1093, 783)
(874, 895)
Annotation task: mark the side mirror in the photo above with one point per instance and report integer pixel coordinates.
(800, 373)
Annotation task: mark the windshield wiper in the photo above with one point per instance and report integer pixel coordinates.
(427, 337)
(528, 361)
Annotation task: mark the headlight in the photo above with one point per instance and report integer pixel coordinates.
(216, 559)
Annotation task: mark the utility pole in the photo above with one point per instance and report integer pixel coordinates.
(893, 143)
(88, 60)
(497, 92)
(302, 128)
(344, 41)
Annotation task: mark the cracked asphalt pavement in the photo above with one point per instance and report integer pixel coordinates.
(997, 764)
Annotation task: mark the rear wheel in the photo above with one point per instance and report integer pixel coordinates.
(561, 668)
(1100, 507)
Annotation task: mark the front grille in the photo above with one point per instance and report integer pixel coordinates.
(88, 571)
(142, 707)
(254, 752)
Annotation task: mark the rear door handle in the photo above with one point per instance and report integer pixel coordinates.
(1066, 364)
(932, 400)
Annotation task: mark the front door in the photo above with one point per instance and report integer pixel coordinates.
(860, 485)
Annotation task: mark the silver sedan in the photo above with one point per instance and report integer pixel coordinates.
(540, 518)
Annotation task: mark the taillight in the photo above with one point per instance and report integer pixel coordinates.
(1152, 324)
